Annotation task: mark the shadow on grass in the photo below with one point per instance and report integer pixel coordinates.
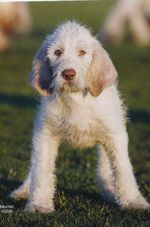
(84, 194)
(19, 100)
(137, 115)
(92, 197)
(7, 186)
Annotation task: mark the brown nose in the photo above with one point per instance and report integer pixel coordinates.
(69, 74)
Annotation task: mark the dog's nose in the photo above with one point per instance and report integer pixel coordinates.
(69, 74)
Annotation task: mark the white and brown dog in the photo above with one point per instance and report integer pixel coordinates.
(80, 105)
(135, 14)
(14, 19)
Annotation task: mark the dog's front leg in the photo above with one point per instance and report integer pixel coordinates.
(126, 188)
(42, 187)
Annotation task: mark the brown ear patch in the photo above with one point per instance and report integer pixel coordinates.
(94, 78)
(102, 72)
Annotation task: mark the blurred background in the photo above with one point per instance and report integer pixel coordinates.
(77, 187)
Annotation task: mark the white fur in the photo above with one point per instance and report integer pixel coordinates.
(78, 115)
(133, 12)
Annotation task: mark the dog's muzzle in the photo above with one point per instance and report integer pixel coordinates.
(69, 74)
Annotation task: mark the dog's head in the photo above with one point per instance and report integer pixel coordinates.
(71, 60)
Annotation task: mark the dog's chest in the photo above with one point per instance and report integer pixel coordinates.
(79, 127)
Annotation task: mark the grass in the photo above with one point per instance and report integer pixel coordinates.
(78, 201)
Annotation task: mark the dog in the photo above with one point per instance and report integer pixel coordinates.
(14, 19)
(80, 105)
(135, 14)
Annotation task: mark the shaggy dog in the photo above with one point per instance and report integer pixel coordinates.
(135, 13)
(14, 19)
(80, 105)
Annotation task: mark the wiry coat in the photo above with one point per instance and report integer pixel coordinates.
(80, 105)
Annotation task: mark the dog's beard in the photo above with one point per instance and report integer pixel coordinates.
(69, 88)
(74, 86)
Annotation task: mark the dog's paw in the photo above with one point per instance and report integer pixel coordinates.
(38, 208)
(18, 194)
(139, 203)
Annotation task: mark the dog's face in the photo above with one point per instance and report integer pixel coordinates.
(70, 56)
(71, 60)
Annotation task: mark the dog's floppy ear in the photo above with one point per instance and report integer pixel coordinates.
(102, 72)
(40, 76)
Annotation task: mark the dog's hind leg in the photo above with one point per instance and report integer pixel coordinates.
(23, 191)
(105, 175)
(126, 188)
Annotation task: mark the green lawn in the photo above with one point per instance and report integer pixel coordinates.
(78, 201)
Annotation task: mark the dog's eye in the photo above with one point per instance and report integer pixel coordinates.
(58, 53)
(82, 52)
